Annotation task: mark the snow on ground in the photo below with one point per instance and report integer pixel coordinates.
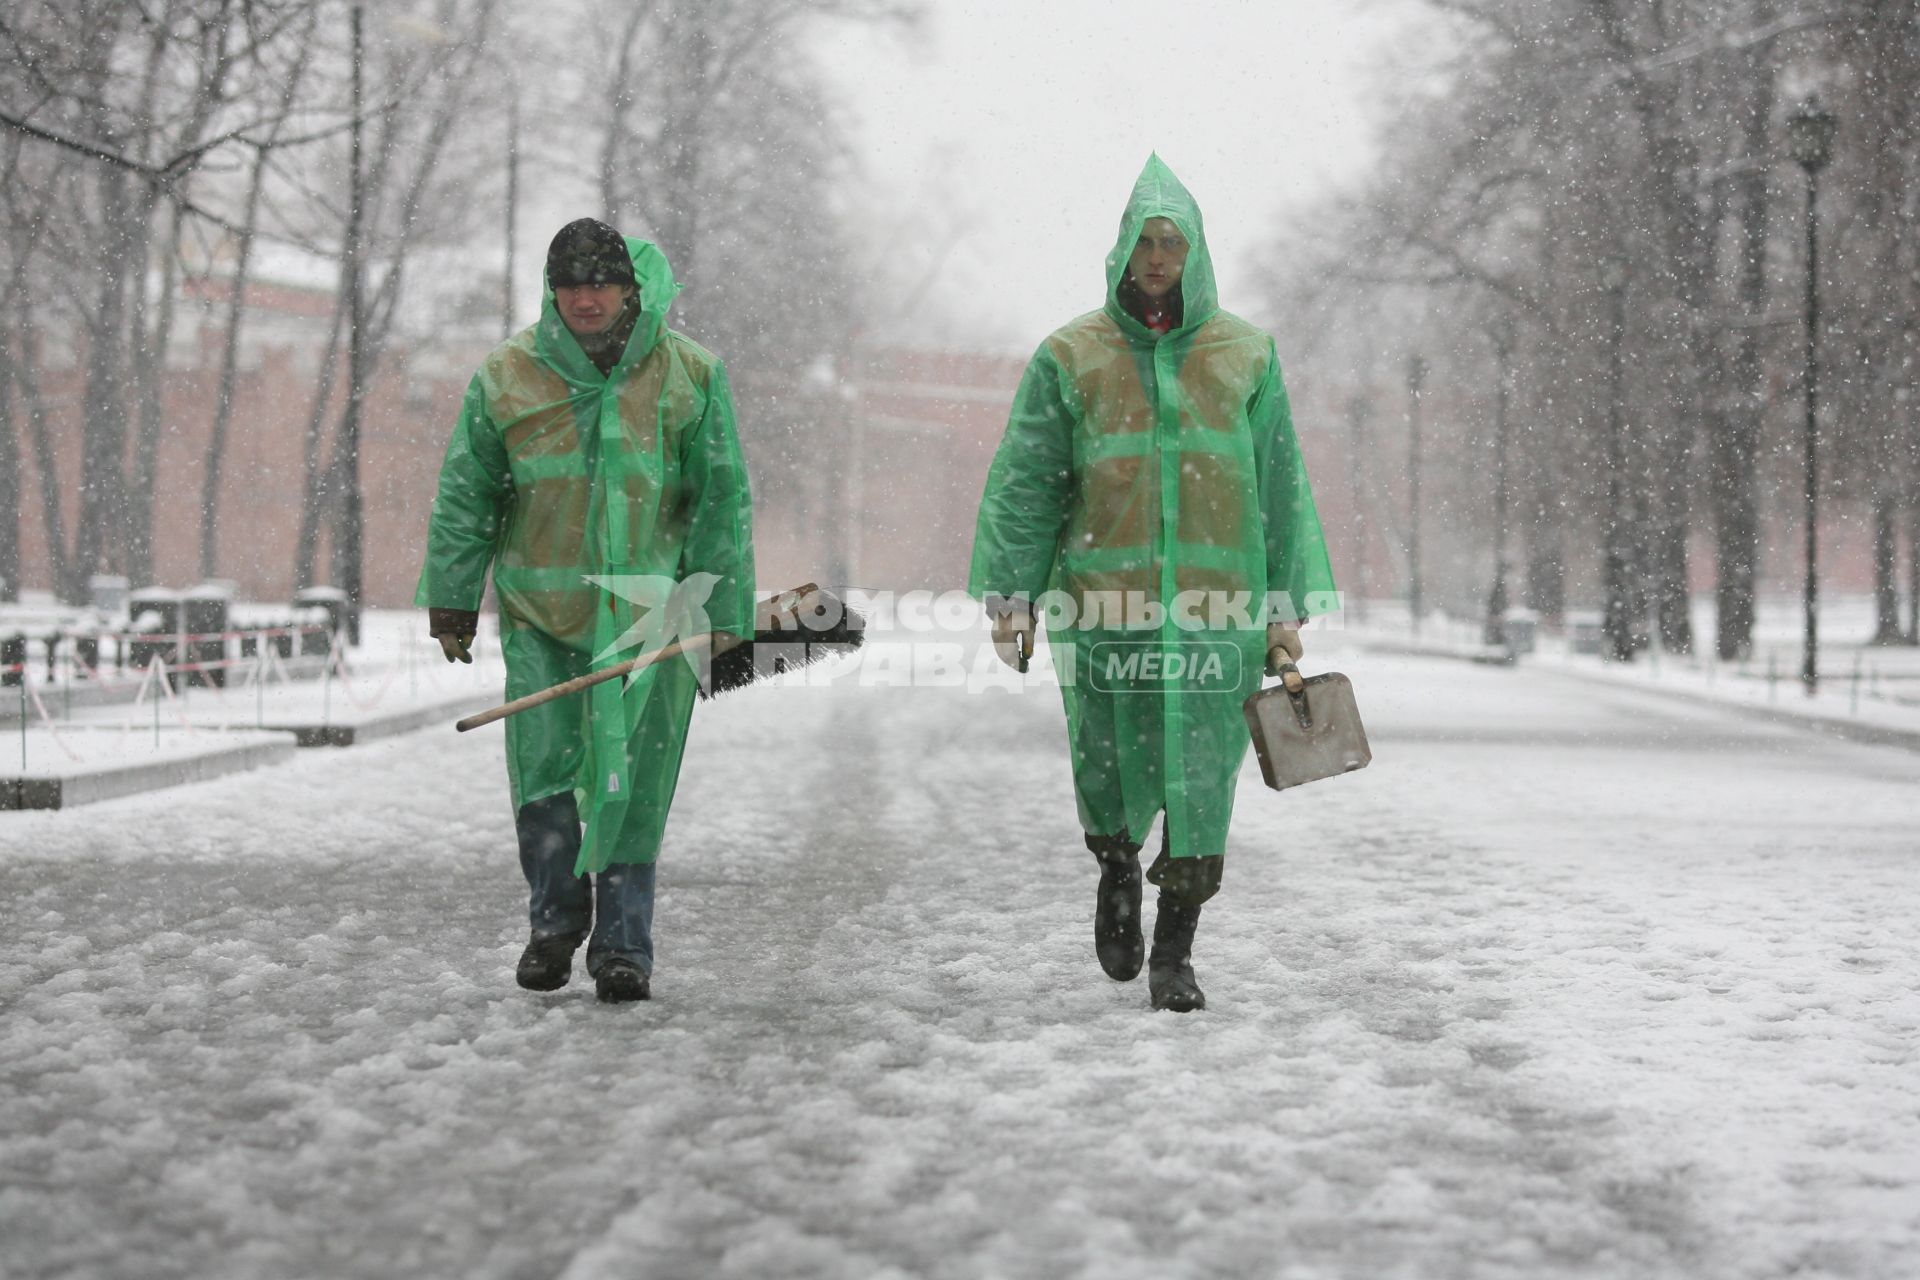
(76, 751)
(1862, 687)
(1574, 981)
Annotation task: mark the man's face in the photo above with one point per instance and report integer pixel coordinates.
(590, 308)
(1158, 258)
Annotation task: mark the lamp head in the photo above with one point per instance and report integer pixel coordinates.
(1810, 131)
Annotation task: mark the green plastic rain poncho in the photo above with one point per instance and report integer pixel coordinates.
(1155, 464)
(556, 475)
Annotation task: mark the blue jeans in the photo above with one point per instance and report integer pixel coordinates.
(618, 904)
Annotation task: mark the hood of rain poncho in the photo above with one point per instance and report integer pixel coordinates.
(1157, 193)
(560, 349)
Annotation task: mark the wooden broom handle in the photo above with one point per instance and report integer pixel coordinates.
(785, 602)
(575, 685)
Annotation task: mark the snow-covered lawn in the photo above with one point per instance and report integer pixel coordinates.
(1573, 981)
(397, 670)
(84, 750)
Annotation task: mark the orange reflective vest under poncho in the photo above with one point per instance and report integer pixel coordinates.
(584, 492)
(1137, 467)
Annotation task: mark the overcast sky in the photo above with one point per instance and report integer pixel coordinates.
(1000, 144)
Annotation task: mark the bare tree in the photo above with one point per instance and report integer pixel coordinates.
(1574, 134)
(420, 92)
(9, 479)
(291, 76)
(134, 91)
(719, 143)
(154, 127)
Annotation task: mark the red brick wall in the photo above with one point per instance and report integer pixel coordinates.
(262, 475)
(905, 435)
(913, 441)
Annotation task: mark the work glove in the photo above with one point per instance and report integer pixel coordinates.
(454, 629)
(1013, 635)
(1283, 646)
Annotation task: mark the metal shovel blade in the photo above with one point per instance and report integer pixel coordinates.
(1310, 735)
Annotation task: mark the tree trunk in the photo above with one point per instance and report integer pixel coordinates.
(1547, 574)
(1688, 240)
(676, 206)
(620, 91)
(53, 521)
(1734, 449)
(236, 312)
(1913, 551)
(9, 477)
(150, 372)
(1913, 561)
(151, 340)
(229, 370)
(1546, 592)
(1672, 597)
(315, 510)
(1886, 596)
(103, 426)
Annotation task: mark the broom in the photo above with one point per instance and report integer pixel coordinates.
(794, 629)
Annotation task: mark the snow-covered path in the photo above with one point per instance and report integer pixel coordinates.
(1573, 983)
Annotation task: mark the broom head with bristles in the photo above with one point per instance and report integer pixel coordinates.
(819, 625)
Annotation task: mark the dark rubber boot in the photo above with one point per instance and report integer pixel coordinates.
(1116, 914)
(619, 981)
(547, 962)
(1170, 980)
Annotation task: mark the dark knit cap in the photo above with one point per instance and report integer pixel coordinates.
(588, 251)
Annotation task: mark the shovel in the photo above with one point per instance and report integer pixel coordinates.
(1306, 729)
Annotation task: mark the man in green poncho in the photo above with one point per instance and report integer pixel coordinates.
(596, 469)
(1149, 496)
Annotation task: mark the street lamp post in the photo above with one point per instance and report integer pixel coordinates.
(1618, 621)
(1810, 132)
(513, 199)
(1502, 334)
(1416, 378)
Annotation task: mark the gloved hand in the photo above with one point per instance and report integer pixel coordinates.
(454, 629)
(1013, 636)
(1283, 646)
